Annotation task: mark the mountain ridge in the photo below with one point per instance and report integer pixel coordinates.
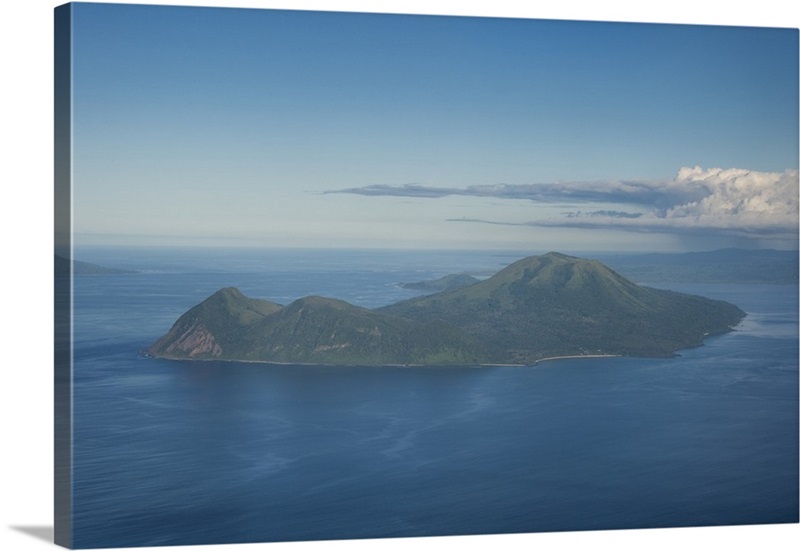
(537, 307)
(556, 304)
(312, 329)
(445, 283)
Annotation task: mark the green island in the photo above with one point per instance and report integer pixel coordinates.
(538, 308)
(446, 283)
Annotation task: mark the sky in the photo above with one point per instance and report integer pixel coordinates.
(242, 127)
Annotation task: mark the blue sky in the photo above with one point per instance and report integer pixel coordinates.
(251, 127)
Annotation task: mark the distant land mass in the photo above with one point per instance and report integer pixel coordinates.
(446, 283)
(85, 268)
(537, 308)
(720, 266)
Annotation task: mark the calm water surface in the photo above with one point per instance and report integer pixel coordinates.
(209, 452)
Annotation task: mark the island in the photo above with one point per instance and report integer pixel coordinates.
(446, 283)
(537, 308)
(63, 267)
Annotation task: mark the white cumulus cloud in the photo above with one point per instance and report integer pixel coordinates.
(739, 200)
(733, 202)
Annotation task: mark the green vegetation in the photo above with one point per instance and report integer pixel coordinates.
(446, 283)
(558, 305)
(313, 329)
(538, 307)
(217, 324)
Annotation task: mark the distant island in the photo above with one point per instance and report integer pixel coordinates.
(446, 283)
(774, 267)
(62, 267)
(537, 308)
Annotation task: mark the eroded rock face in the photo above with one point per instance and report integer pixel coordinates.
(201, 341)
(211, 329)
(195, 341)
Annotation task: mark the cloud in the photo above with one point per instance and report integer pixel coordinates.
(658, 194)
(407, 190)
(732, 201)
(604, 214)
(737, 202)
(740, 198)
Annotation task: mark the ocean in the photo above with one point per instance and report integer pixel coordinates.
(179, 452)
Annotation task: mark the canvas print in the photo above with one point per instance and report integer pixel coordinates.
(328, 276)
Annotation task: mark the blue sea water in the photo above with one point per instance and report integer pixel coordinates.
(169, 452)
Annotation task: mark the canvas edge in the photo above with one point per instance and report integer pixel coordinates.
(62, 218)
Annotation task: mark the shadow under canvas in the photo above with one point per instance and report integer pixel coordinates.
(40, 532)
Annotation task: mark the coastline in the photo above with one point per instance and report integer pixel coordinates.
(146, 354)
(323, 364)
(574, 357)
